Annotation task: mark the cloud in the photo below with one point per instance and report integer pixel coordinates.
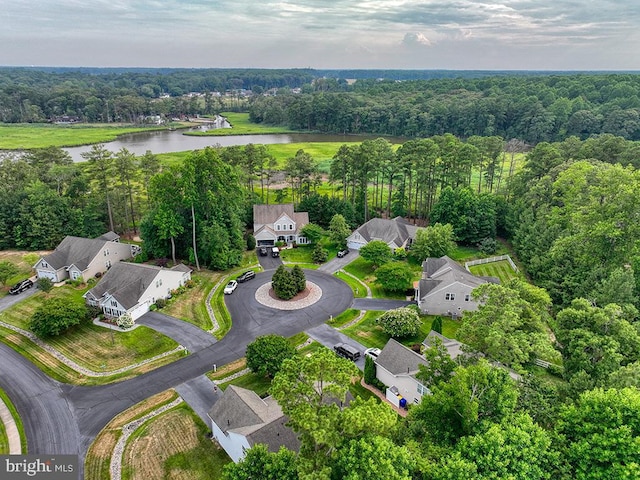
(416, 39)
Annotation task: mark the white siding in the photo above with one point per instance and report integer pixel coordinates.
(436, 302)
(234, 444)
(407, 386)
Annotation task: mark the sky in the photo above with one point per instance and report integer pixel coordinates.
(323, 34)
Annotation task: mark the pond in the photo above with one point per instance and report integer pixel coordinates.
(168, 141)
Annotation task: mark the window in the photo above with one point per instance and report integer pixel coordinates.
(467, 297)
(114, 303)
(449, 296)
(277, 227)
(107, 264)
(422, 390)
(290, 227)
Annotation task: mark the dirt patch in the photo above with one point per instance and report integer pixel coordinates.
(300, 296)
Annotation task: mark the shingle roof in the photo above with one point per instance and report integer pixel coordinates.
(454, 347)
(396, 230)
(398, 359)
(439, 272)
(243, 412)
(266, 214)
(109, 236)
(126, 282)
(181, 267)
(76, 251)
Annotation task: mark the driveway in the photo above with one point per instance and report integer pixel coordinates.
(269, 262)
(380, 304)
(189, 336)
(328, 337)
(336, 264)
(10, 300)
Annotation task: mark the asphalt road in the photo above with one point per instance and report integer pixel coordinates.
(10, 300)
(189, 336)
(329, 337)
(335, 264)
(61, 418)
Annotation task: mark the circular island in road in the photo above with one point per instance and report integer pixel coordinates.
(306, 298)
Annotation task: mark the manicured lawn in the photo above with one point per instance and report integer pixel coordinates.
(359, 290)
(173, 445)
(24, 261)
(18, 137)
(300, 254)
(240, 126)
(501, 270)
(371, 335)
(344, 318)
(363, 270)
(251, 381)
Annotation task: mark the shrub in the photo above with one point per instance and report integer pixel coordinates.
(190, 284)
(44, 284)
(161, 303)
(436, 326)
(394, 276)
(251, 242)
(153, 307)
(284, 284)
(299, 279)
(369, 370)
(400, 254)
(401, 322)
(488, 245)
(266, 354)
(125, 321)
(319, 254)
(162, 262)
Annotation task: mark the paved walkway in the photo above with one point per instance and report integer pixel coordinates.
(11, 429)
(400, 411)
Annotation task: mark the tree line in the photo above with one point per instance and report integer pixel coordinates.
(530, 108)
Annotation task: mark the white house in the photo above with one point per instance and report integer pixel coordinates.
(278, 223)
(77, 257)
(397, 233)
(132, 288)
(241, 419)
(445, 287)
(396, 367)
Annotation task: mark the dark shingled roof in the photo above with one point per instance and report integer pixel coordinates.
(397, 230)
(445, 271)
(126, 282)
(109, 236)
(243, 412)
(398, 359)
(181, 267)
(76, 251)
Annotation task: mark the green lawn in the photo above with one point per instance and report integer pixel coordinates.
(240, 126)
(21, 136)
(344, 318)
(359, 290)
(364, 271)
(501, 270)
(371, 335)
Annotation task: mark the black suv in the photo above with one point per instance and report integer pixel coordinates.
(21, 287)
(263, 251)
(246, 276)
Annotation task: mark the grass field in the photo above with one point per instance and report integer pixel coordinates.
(358, 288)
(93, 347)
(364, 271)
(501, 270)
(190, 305)
(21, 136)
(344, 318)
(173, 445)
(24, 261)
(240, 125)
(371, 335)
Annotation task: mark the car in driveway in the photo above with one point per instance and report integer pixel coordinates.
(372, 352)
(346, 351)
(230, 287)
(246, 276)
(342, 253)
(21, 287)
(264, 251)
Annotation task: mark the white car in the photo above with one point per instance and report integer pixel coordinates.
(231, 286)
(372, 352)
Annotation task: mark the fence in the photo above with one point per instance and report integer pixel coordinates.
(499, 258)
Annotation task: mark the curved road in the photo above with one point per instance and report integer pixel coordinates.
(64, 419)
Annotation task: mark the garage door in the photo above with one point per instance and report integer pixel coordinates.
(266, 243)
(47, 274)
(354, 245)
(139, 310)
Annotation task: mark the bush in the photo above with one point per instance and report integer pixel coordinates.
(153, 307)
(401, 322)
(94, 311)
(284, 284)
(400, 254)
(394, 276)
(125, 321)
(436, 325)
(161, 303)
(162, 262)
(369, 370)
(44, 284)
(190, 284)
(251, 242)
(280, 243)
(488, 245)
(319, 255)
(56, 315)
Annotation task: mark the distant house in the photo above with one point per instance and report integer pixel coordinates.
(396, 367)
(278, 223)
(241, 419)
(397, 233)
(132, 288)
(445, 287)
(77, 257)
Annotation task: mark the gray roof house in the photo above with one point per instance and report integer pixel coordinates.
(396, 233)
(445, 287)
(396, 367)
(132, 288)
(77, 257)
(278, 223)
(241, 419)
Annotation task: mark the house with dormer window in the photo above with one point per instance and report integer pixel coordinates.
(132, 288)
(77, 257)
(278, 223)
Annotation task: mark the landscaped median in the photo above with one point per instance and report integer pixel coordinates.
(86, 354)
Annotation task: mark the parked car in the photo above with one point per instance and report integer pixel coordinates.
(246, 276)
(263, 251)
(231, 286)
(21, 287)
(347, 351)
(342, 253)
(275, 252)
(372, 352)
